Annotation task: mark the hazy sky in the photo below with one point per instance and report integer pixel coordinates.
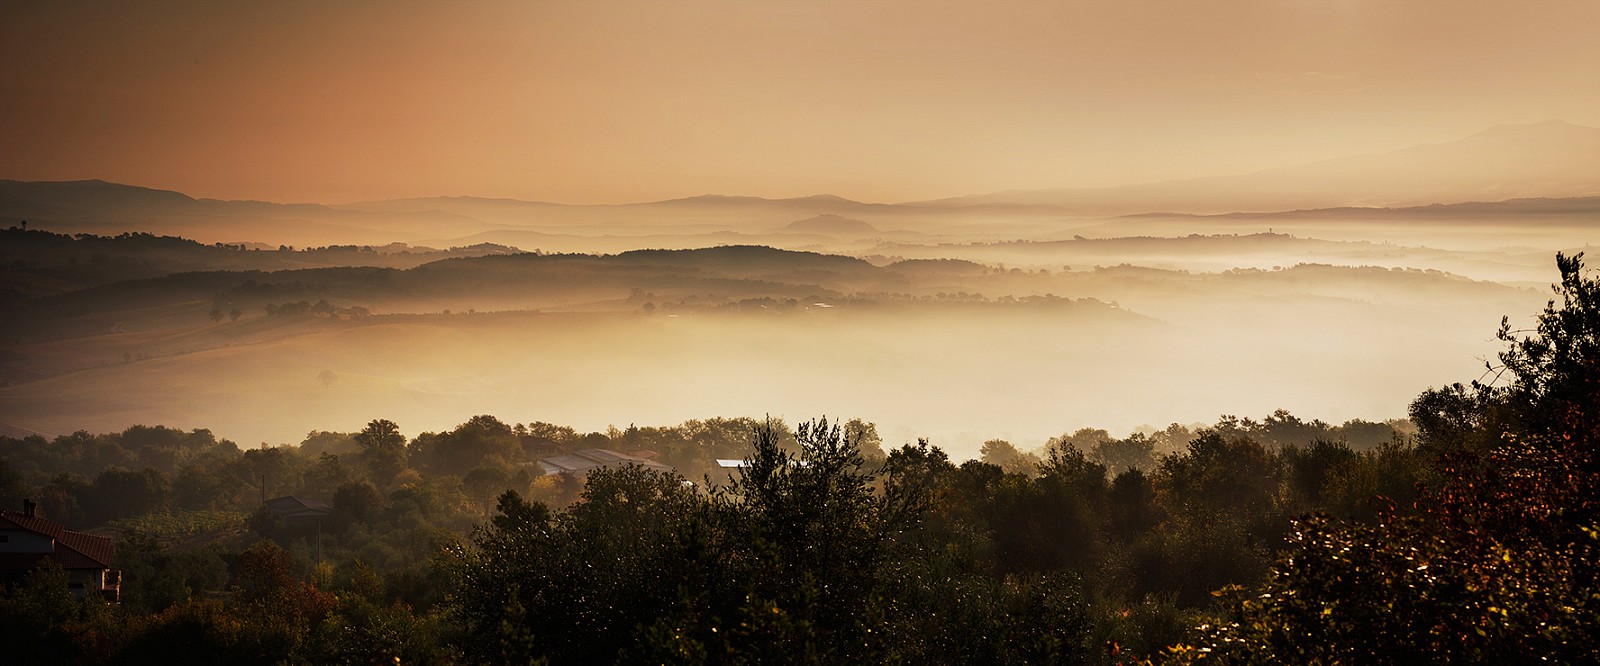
(881, 101)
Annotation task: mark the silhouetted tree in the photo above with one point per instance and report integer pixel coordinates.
(484, 483)
(1120, 455)
(383, 449)
(1004, 455)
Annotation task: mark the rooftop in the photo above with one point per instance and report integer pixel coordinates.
(73, 550)
(586, 460)
(290, 506)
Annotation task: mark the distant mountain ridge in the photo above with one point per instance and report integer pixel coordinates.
(1534, 206)
(92, 189)
(1550, 160)
(1547, 159)
(100, 207)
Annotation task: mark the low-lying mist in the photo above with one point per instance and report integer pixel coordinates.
(956, 373)
(959, 341)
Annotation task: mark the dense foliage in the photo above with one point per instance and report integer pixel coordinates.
(1501, 564)
(823, 544)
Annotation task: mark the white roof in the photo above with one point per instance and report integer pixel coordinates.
(580, 462)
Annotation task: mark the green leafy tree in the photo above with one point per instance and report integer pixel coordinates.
(1120, 455)
(357, 502)
(318, 442)
(42, 622)
(575, 584)
(484, 483)
(1004, 454)
(155, 577)
(1131, 506)
(480, 441)
(1502, 565)
(12, 489)
(1310, 468)
(383, 449)
(865, 434)
(790, 561)
(118, 493)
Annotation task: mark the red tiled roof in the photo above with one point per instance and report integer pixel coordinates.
(18, 519)
(97, 549)
(74, 550)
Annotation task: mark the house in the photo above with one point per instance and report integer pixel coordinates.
(291, 508)
(28, 542)
(299, 514)
(580, 463)
(536, 446)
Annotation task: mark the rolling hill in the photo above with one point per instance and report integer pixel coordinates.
(829, 224)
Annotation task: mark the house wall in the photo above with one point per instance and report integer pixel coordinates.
(24, 541)
(82, 582)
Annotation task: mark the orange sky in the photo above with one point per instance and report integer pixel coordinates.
(880, 101)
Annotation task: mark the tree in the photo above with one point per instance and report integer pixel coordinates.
(575, 585)
(484, 483)
(37, 618)
(357, 502)
(794, 560)
(1503, 565)
(1083, 439)
(156, 577)
(383, 449)
(1050, 523)
(556, 490)
(1222, 474)
(118, 493)
(780, 593)
(1556, 368)
(794, 502)
(1003, 454)
(59, 500)
(318, 442)
(12, 490)
(865, 434)
(324, 475)
(1310, 468)
(481, 440)
(1131, 505)
(1120, 455)
(200, 487)
(278, 612)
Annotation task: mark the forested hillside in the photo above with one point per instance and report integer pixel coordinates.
(1468, 534)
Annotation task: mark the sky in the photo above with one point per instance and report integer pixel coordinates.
(608, 102)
